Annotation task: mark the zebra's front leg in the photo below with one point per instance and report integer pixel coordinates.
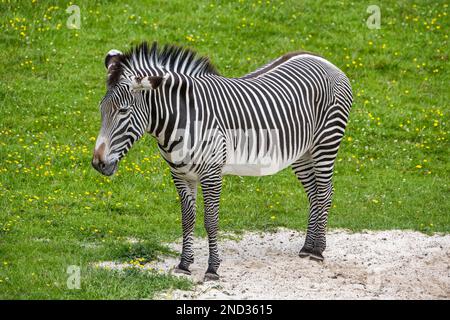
(211, 187)
(187, 191)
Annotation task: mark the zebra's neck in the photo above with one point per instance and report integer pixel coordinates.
(169, 109)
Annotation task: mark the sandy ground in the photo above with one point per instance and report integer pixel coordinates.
(367, 265)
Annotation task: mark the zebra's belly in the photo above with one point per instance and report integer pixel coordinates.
(260, 153)
(254, 169)
(246, 162)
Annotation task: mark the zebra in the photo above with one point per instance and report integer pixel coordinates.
(290, 112)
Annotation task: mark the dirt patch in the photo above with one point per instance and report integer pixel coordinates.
(367, 265)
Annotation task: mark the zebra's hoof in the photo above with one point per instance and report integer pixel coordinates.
(316, 256)
(181, 269)
(211, 276)
(304, 252)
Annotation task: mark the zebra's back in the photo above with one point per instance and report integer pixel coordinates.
(272, 116)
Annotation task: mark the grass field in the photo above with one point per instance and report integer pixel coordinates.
(393, 167)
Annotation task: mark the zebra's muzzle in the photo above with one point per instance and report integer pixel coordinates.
(107, 169)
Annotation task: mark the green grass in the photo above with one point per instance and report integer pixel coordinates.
(392, 170)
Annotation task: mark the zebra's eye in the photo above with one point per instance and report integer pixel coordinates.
(123, 110)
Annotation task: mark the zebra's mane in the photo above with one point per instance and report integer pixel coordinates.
(142, 58)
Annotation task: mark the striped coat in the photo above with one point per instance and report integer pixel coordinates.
(290, 112)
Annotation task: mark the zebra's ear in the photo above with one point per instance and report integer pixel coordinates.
(147, 82)
(111, 58)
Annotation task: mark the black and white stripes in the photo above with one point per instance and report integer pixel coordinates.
(290, 112)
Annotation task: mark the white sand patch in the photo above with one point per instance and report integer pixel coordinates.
(367, 265)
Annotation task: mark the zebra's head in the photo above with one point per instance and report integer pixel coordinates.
(124, 117)
(137, 86)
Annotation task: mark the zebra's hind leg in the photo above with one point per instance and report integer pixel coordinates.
(187, 191)
(211, 188)
(315, 172)
(304, 170)
(323, 156)
(323, 168)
